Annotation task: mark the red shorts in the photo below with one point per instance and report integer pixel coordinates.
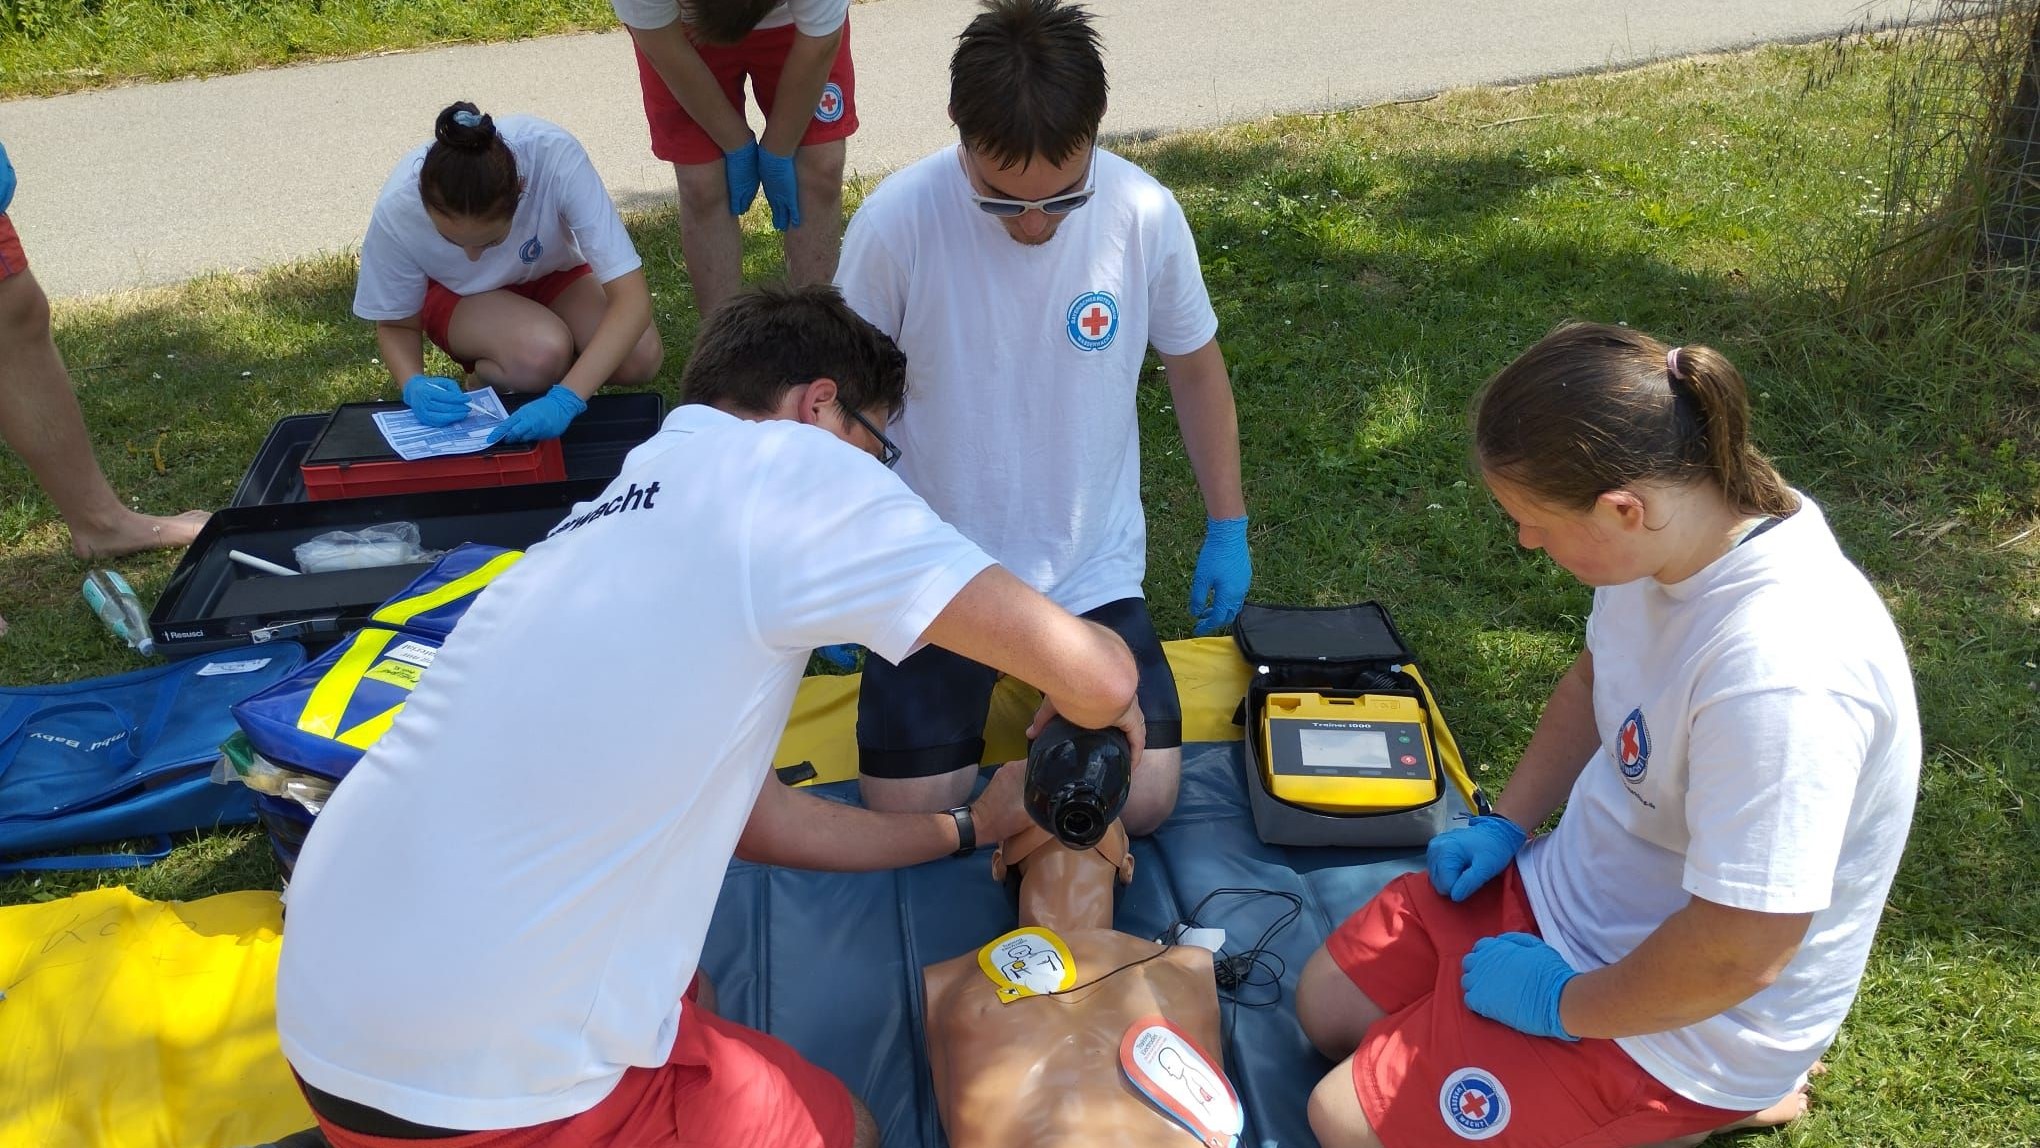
(676, 138)
(13, 260)
(1435, 1073)
(723, 1084)
(437, 314)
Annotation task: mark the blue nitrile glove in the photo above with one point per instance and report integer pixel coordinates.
(740, 171)
(1518, 980)
(541, 418)
(843, 656)
(1467, 858)
(435, 399)
(782, 190)
(6, 180)
(1223, 571)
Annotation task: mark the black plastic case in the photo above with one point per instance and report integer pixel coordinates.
(213, 602)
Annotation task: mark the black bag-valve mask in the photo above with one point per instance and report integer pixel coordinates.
(1077, 781)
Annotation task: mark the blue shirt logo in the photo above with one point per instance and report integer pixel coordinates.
(1632, 746)
(1474, 1104)
(531, 250)
(1093, 320)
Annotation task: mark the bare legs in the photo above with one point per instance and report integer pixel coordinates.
(712, 242)
(40, 419)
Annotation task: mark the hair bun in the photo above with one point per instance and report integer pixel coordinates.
(465, 127)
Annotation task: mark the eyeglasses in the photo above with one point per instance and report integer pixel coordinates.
(1061, 203)
(888, 451)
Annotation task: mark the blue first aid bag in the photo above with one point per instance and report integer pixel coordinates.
(320, 720)
(125, 756)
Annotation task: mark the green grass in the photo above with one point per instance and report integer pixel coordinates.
(53, 46)
(1370, 269)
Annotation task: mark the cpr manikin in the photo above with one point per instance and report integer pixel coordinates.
(1045, 1069)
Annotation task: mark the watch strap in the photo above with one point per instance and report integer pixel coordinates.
(966, 831)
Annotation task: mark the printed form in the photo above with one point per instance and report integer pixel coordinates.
(413, 440)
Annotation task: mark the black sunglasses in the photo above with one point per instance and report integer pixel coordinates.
(888, 451)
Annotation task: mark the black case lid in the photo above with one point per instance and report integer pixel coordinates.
(1343, 635)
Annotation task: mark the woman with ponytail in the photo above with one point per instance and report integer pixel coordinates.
(498, 242)
(1736, 751)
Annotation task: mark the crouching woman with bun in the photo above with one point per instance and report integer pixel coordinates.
(498, 242)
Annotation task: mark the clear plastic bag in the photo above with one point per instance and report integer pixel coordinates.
(239, 762)
(385, 544)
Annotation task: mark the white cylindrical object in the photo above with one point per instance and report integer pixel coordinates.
(262, 564)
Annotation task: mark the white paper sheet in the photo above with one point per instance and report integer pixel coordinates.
(413, 440)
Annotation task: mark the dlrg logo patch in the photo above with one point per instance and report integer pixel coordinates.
(1474, 1104)
(531, 250)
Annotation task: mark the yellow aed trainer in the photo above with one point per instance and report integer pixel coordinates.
(1345, 742)
(1365, 754)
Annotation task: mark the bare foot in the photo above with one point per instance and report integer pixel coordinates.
(135, 532)
(1789, 1109)
(1784, 1112)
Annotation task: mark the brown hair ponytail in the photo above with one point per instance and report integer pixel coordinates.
(1593, 408)
(469, 172)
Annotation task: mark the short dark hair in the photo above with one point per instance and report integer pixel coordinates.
(469, 172)
(1593, 408)
(773, 337)
(1028, 80)
(727, 21)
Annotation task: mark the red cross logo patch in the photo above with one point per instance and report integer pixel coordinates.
(1474, 1104)
(1093, 320)
(1632, 746)
(830, 107)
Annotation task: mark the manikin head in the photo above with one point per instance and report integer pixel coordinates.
(1027, 93)
(1619, 455)
(1061, 888)
(469, 180)
(800, 353)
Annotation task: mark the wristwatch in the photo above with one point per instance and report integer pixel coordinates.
(966, 831)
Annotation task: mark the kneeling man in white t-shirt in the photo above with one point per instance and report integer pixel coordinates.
(496, 917)
(1025, 272)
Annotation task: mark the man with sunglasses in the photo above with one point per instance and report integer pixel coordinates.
(1025, 273)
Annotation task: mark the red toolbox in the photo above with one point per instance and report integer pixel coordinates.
(351, 459)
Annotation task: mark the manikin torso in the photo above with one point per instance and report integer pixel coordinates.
(1044, 1070)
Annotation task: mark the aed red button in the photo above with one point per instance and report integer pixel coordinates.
(1409, 759)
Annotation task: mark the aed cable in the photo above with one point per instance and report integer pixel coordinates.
(1234, 972)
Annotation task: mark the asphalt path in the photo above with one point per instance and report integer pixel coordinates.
(154, 183)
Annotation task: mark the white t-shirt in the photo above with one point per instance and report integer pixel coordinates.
(1023, 362)
(564, 219)
(498, 910)
(808, 17)
(1760, 749)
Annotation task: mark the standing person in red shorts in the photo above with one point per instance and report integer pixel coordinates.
(693, 57)
(498, 242)
(40, 419)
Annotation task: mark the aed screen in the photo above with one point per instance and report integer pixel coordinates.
(1344, 748)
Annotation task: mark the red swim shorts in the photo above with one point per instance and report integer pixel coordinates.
(676, 138)
(723, 1084)
(1434, 1074)
(13, 260)
(437, 314)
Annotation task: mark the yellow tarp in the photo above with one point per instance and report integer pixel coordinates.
(126, 1023)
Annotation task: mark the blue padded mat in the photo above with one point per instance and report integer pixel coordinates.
(831, 962)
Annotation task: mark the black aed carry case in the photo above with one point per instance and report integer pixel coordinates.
(1342, 652)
